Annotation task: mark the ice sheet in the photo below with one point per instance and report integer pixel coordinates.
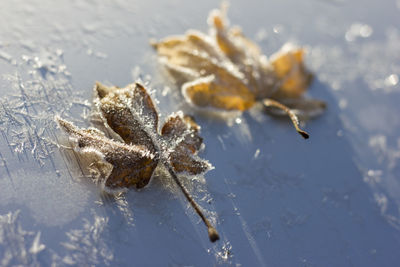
(278, 200)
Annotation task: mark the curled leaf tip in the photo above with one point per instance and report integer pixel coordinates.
(101, 89)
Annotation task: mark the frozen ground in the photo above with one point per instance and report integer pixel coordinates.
(333, 200)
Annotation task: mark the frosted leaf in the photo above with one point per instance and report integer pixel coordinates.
(226, 71)
(130, 113)
(139, 147)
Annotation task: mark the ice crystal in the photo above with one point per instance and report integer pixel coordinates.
(87, 246)
(17, 246)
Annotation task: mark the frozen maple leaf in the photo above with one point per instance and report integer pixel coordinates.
(136, 146)
(225, 70)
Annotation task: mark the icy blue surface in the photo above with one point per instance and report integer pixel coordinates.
(277, 200)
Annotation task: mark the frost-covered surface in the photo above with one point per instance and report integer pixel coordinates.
(333, 200)
(20, 247)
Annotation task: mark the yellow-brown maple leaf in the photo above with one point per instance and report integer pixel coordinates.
(225, 70)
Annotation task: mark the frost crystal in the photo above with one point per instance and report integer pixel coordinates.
(17, 246)
(24, 115)
(86, 247)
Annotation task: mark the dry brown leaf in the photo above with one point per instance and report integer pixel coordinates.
(225, 70)
(130, 159)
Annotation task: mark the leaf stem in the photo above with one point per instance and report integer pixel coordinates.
(272, 103)
(212, 232)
